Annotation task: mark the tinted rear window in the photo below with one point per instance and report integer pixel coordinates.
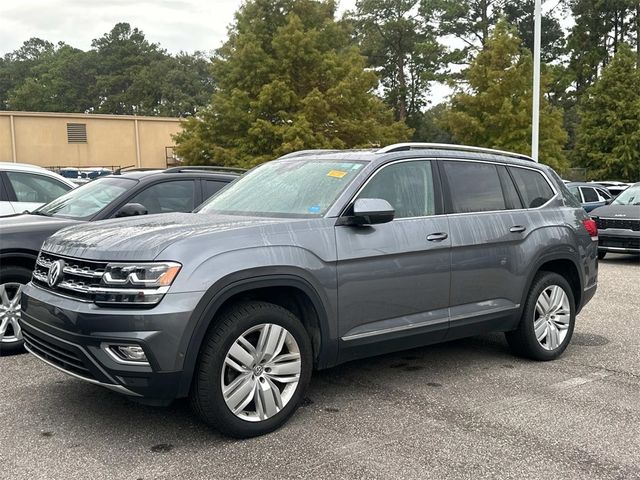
(474, 187)
(534, 189)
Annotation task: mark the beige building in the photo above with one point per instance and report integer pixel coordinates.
(86, 140)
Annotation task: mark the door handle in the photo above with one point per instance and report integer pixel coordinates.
(437, 237)
(517, 229)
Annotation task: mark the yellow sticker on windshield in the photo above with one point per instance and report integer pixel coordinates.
(336, 174)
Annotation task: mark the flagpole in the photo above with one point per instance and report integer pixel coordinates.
(535, 120)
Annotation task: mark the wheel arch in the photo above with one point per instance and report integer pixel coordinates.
(562, 264)
(19, 258)
(287, 290)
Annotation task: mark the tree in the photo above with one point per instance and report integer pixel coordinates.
(520, 14)
(496, 109)
(288, 78)
(609, 132)
(58, 82)
(600, 27)
(403, 49)
(469, 21)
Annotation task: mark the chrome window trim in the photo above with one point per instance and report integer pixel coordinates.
(507, 165)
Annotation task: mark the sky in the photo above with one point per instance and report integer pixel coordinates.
(176, 25)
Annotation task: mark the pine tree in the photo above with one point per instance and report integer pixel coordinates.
(494, 110)
(609, 132)
(288, 78)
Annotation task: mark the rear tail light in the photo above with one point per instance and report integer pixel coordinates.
(592, 228)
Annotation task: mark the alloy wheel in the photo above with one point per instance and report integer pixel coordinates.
(552, 317)
(261, 372)
(10, 331)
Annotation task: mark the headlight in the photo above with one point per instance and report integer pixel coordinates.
(135, 283)
(148, 275)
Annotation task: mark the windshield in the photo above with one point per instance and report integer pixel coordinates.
(290, 188)
(85, 201)
(631, 196)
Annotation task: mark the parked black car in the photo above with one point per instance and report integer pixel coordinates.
(619, 223)
(179, 189)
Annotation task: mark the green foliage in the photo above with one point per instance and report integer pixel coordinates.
(495, 109)
(122, 74)
(403, 48)
(609, 132)
(288, 78)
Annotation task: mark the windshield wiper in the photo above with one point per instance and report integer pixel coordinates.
(38, 212)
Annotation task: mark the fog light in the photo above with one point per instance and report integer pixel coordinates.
(130, 353)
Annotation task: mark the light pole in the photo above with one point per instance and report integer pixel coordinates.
(535, 120)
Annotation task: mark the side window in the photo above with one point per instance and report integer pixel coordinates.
(589, 194)
(407, 186)
(576, 193)
(30, 187)
(474, 187)
(210, 187)
(509, 189)
(602, 195)
(534, 189)
(167, 197)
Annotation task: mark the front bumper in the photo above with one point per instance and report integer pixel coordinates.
(619, 241)
(72, 336)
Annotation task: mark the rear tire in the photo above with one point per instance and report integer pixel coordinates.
(256, 359)
(548, 319)
(601, 254)
(11, 279)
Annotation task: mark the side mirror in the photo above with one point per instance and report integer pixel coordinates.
(131, 210)
(371, 211)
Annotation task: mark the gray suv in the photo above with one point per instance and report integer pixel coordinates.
(315, 259)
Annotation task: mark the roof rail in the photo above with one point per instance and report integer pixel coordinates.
(211, 168)
(304, 153)
(133, 168)
(399, 147)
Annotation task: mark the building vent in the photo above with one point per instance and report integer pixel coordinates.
(77, 132)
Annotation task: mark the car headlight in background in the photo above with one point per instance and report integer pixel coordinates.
(135, 283)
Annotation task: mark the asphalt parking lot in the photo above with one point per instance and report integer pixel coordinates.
(465, 409)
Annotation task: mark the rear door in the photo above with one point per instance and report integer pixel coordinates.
(488, 227)
(393, 278)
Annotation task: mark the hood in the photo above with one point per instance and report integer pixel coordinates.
(623, 212)
(142, 238)
(25, 223)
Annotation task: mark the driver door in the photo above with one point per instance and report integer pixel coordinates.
(393, 278)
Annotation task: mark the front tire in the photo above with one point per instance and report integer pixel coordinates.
(548, 319)
(254, 367)
(601, 254)
(12, 279)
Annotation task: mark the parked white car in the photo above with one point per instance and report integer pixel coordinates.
(26, 187)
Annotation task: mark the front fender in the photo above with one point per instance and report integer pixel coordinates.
(323, 301)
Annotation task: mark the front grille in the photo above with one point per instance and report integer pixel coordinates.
(77, 279)
(623, 224)
(62, 357)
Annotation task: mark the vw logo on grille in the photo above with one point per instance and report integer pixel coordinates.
(55, 273)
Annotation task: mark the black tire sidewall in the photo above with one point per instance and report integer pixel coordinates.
(11, 274)
(544, 281)
(225, 420)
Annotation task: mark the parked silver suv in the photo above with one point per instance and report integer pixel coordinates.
(315, 259)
